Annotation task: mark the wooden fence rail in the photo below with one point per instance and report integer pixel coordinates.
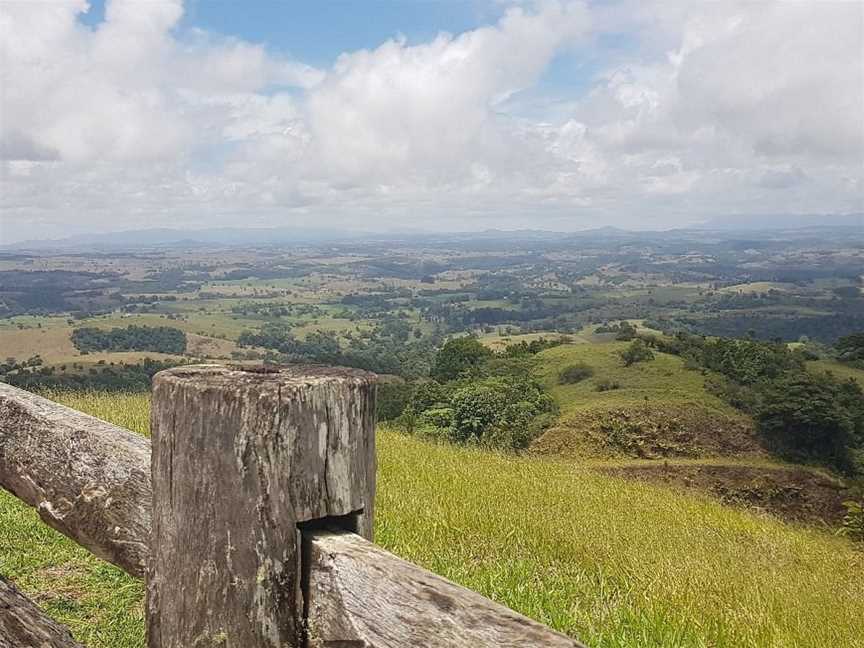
(23, 625)
(252, 523)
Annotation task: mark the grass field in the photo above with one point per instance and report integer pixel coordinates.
(54, 344)
(616, 563)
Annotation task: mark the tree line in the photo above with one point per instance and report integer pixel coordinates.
(161, 339)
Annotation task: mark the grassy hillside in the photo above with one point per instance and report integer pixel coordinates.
(658, 408)
(662, 380)
(617, 563)
(839, 369)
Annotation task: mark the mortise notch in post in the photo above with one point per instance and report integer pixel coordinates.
(241, 462)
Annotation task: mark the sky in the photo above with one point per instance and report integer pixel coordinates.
(422, 115)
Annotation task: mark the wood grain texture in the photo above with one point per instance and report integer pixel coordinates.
(239, 459)
(88, 479)
(361, 596)
(23, 625)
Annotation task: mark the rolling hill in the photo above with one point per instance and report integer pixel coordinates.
(647, 410)
(661, 425)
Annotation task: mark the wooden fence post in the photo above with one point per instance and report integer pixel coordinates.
(241, 456)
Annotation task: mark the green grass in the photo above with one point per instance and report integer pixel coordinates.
(616, 563)
(662, 380)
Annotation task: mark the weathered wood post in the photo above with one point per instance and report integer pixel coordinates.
(241, 457)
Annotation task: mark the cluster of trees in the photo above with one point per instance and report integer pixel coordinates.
(801, 415)
(850, 349)
(623, 330)
(120, 377)
(474, 396)
(161, 339)
(769, 325)
(391, 347)
(523, 348)
(266, 309)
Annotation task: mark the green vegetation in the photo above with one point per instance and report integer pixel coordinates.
(806, 416)
(458, 358)
(838, 369)
(663, 381)
(615, 563)
(655, 409)
(163, 339)
(390, 347)
(636, 351)
(800, 415)
(34, 375)
(588, 347)
(477, 396)
(574, 373)
(851, 349)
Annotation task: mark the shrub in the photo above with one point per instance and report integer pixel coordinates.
(574, 373)
(626, 332)
(607, 385)
(637, 351)
(742, 397)
(500, 413)
(853, 521)
(439, 417)
(851, 347)
(428, 394)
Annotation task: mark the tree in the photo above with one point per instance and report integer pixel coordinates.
(805, 415)
(636, 351)
(626, 332)
(459, 357)
(476, 409)
(851, 347)
(393, 398)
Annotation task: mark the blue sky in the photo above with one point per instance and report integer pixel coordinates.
(316, 33)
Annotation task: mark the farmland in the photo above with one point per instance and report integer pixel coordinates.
(592, 429)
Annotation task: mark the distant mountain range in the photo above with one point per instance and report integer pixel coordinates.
(785, 221)
(725, 228)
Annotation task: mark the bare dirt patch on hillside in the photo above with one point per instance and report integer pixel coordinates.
(792, 494)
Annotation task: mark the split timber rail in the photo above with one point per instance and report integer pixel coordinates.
(249, 515)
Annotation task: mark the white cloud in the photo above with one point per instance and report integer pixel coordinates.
(717, 108)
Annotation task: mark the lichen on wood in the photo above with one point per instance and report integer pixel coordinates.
(88, 479)
(239, 459)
